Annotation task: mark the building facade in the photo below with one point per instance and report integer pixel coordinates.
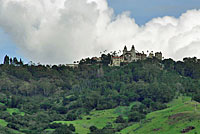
(132, 56)
(116, 61)
(158, 55)
(129, 56)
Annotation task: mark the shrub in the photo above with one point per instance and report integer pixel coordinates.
(120, 119)
(135, 116)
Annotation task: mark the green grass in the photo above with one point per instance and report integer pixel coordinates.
(14, 110)
(2, 103)
(124, 110)
(179, 100)
(180, 114)
(97, 118)
(3, 123)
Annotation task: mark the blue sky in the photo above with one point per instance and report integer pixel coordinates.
(145, 10)
(142, 10)
(6, 46)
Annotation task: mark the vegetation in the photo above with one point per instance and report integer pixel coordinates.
(180, 115)
(95, 98)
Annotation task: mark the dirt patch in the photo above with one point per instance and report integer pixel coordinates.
(187, 129)
(177, 117)
(156, 129)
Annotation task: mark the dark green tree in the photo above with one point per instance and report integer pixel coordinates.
(62, 130)
(15, 61)
(6, 60)
(120, 119)
(93, 128)
(135, 116)
(71, 127)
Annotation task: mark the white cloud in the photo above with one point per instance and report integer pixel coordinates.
(60, 31)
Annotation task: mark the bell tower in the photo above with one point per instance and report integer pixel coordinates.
(133, 53)
(133, 48)
(125, 50)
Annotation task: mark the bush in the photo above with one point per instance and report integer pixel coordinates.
(62, 110)
(13, 126)
(2, 108)
(120, 119)
(135, 116)
(62, 130)
(71, 127)
(71, 117)
(196, 97)
(55, 125)
(93, 128)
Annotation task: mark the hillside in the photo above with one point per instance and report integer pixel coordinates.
(98, 99)
(180, 117)
(180, 114)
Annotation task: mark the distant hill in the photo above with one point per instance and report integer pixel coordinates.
(98, 99)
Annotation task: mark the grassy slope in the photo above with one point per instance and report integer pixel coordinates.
(180, 114)
(3, 123)
(15, 110)
(2, 103)
(97, 118)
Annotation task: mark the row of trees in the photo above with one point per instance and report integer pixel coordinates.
(12, 61)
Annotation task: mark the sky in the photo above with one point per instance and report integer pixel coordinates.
(144, 10)
(62, 31)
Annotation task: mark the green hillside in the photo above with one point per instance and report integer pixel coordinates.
(181, 114)
(3, 123)
(94, 98)
(96, 118)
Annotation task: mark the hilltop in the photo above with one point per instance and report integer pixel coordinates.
(97, 98)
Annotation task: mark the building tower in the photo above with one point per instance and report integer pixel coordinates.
(158, 55)
(133, 48)
(125, 50)
(133, 54)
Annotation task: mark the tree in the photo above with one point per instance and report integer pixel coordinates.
(62, 130)
(135, 116)
(6, 60)
(93, 128)
(14, 102)
(72, 128)
(106, 59)
(15, 61)
(11, 61)
(13, 126)
(196, 97)
(71, 117)
(169, 64)
(21, 62)
(2, 108)
(120, 119)
(55, 125)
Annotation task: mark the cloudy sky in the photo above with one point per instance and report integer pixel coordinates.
(61, 31)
